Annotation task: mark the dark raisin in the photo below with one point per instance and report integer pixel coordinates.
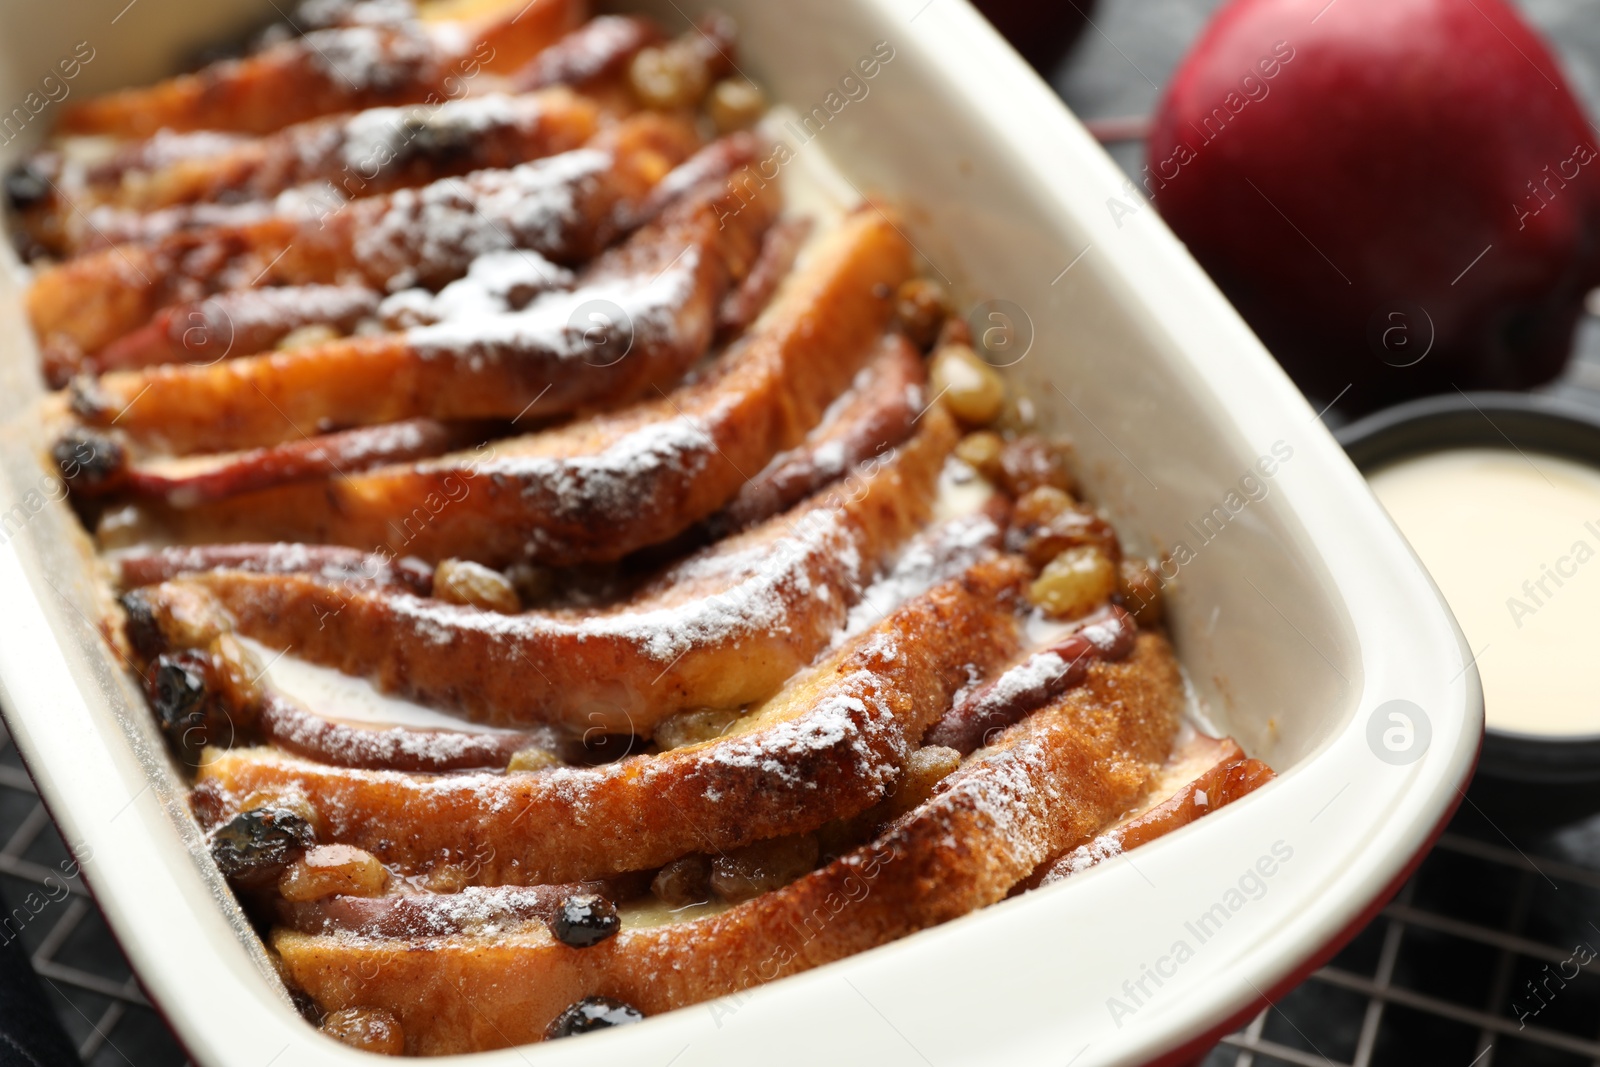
(143, 630)
(601, 748)
(26, 187)
(60, 357)
(585, 919)
(180, 697)
(254, 847)
(88, 460)
(178, 687)
(593, 1013)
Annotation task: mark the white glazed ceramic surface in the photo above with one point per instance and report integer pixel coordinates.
(1301, 617)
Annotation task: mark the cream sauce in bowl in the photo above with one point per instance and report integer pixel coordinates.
(1513, 540)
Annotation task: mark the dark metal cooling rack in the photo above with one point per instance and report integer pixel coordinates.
(1477, 962)
(84, 975)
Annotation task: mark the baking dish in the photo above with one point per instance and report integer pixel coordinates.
(1307, 628)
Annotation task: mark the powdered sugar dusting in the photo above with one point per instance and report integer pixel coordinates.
(757, 590)
(633, 310)
(371, 58)
(495, 283)
(936, 555)
(438, 230)
(609, 483)
(167, 147)
(1099, 850)
(379, 135)
(1036, 673)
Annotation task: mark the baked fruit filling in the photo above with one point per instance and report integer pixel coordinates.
(577, 583)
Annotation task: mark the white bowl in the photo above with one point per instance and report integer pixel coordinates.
(1299, 615)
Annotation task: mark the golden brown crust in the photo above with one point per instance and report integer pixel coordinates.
(522, 128)
(240, 322)
(1233, 776)
(91, 301)
(983, 831)
(722, 628)
(878, 412)
(303, 78)
(190, 480)
(828, 746)
(533, 365)
(602, 488)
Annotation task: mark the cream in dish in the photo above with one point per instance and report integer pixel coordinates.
(1512, 539)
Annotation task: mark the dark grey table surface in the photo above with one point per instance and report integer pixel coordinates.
(1435, 980)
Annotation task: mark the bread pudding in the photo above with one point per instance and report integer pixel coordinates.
(577, 581)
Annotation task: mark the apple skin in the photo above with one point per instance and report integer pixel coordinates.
(1344, 196)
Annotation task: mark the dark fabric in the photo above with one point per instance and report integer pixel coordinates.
(30, 1036)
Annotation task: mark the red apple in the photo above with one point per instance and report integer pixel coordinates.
(1401, 196)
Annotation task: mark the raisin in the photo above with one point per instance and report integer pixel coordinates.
(368, 1029)
(26, 187)
(593, 1013)
(1030, 462)
(460, 581)
(306, 1006)
(180, 696)
(746, 873)
(255, 846)
(683, 882)
(920, 308)
(585, 919)
(144, 632)
(87, 459)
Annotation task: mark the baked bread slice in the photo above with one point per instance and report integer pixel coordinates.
(601, 488)
(341, 68)
(1042, 786)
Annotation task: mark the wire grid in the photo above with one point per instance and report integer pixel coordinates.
(84, 974)
(1486, 957)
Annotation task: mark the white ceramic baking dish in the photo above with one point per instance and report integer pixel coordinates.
(1299, 612)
